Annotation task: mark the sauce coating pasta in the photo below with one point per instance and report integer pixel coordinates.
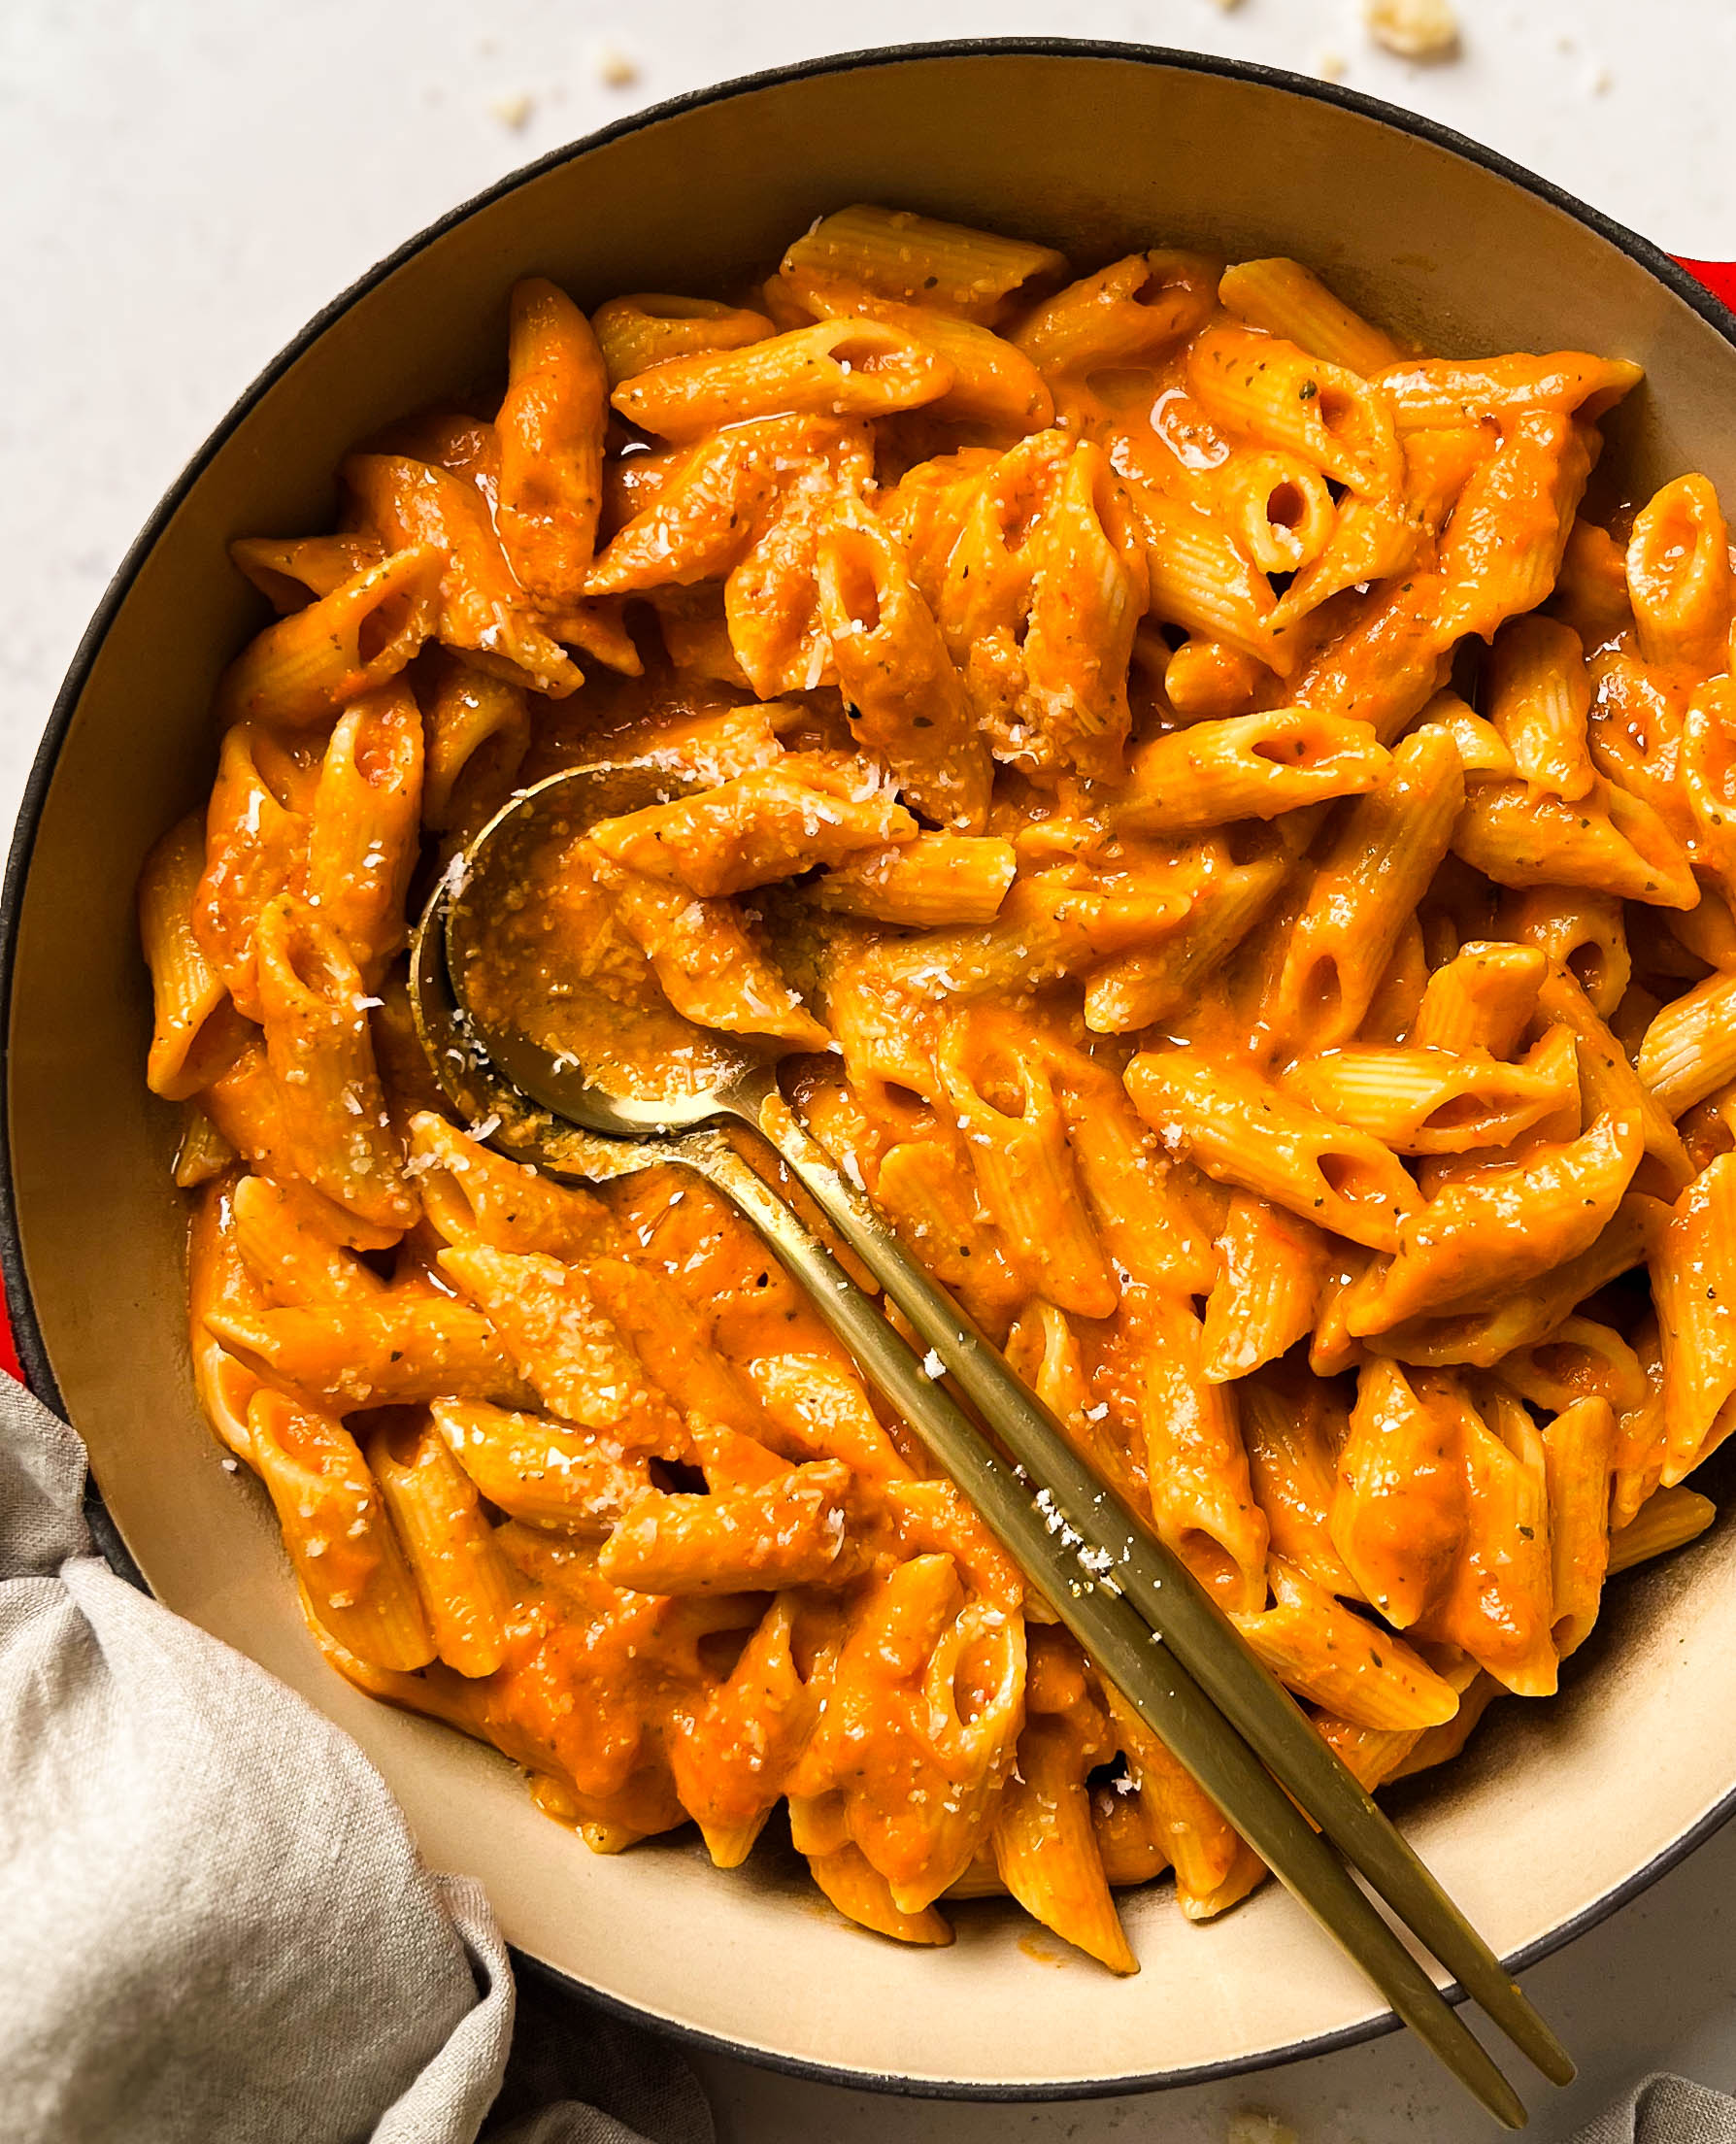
(1240, 864)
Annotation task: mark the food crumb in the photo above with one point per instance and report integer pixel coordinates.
(514, 110)
(616, 68)
(1330, 66)
(1602, 83)
(1260, 2128)
(1226, 7)
(1414, 29)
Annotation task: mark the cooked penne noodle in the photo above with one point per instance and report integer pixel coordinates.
(1447, 390)
(476, 731)
(1292, 1428)
(550, 430)
(1538, 698)
(288, 573)
(1668, 1519)
(1274, 393)
(1242, 1130)
(1141, 986)
(1203, 678)
(1126, 315)
(1277, 509)
(469, 1591)
(1579, 1448)
(1398, 1506)
(1388, 662)
(1202, 1503)
(1502, 549)
(1200, 581)
(280, 1232)
(1582, 931)
(1247, 766)
(759, 827)
(405, 1348)
(1690, 1050)
(365, 828)
(1693, 1283)
(482, 611)
(932, 880)
(255, 846)
(1273, 1268)
(1608, 841)
(1476, 1237)
(994, 383)
(650, 326)
(789, 1533)
(1387, 847)
(863, 1895)
(1435, 1101)
(302, 670)
(837, 368)
(710, 969)
(539, 1470)
(921, 261)
(335, 1124)
(1289, 301)
(549, 1321)
(1499, 1604)
(339, 1533)
(1328, 1654)
(1679, 578)
(1046, 1849)
(1483, 997)
(187, 993)
(902, 694)
(1707, 775)
(471, 1193)
(1026, 1178)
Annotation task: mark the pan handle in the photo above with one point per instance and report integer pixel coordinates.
(1719, 277)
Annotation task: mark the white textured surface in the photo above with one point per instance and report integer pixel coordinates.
(186, 181)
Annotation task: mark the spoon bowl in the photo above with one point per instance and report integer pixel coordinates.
(496, 876)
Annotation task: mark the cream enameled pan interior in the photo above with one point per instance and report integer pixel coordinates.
(1559, 1805)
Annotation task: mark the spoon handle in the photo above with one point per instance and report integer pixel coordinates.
(1165, 1592)
(1068, 1565)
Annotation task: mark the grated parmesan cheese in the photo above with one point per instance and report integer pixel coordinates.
(1414, 29)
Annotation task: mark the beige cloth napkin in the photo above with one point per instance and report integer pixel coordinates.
(1666, 2110)
(215, 1927)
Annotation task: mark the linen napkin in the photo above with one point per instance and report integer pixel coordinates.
(1666, 2110)
(213, 1925)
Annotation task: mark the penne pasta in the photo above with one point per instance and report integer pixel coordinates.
(650, 327)
(302, 670)
(1243, 1131)
(339, 1533)
(550, 430)
(1289, 301)
(919, 260)
(469, 1591)
(1247, 766)
(836, 368)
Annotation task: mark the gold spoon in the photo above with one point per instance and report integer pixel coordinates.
(1127, 1598)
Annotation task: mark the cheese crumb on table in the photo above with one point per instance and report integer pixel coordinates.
(615, 68)
(1330, 66)
(1414, 29)
(514, 112)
